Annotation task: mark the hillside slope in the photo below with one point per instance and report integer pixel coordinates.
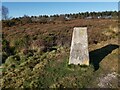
(32, 66)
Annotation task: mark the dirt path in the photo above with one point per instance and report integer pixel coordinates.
(108, 81)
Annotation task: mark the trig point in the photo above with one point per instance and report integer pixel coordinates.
(79, 47)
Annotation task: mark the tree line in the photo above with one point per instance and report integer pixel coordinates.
(7, 21)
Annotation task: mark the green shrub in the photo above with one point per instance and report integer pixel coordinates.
(14, 59)
(49, 41)
(8, 23)
(6, 50)
(5, 45)
(4, 56)
(21, 43)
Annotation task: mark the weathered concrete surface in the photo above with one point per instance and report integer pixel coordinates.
(79, 47)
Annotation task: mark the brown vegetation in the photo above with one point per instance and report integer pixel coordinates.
(40, 53)
(57, 34)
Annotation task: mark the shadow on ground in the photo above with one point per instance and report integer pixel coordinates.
(96, 56)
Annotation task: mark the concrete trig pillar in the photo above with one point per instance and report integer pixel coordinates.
(79, 47)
